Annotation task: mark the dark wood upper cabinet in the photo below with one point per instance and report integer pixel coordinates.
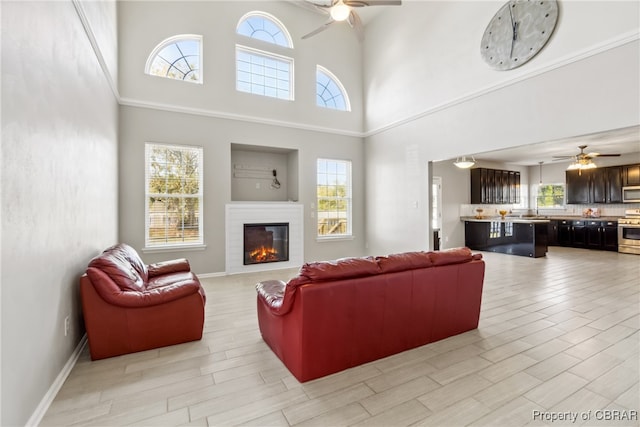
(614, 184)
(578, 187)
(601, 185)
(630, 175)
(494, 186)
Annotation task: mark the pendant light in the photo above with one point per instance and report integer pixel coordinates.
(540, 163)
(464, 163)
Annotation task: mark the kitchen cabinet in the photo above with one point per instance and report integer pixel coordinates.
(579, 234)
(591, 234)
(578, 187)
(594, 236)
(601, 185)
(564, 232)
(552, 233)
(630, 175)
(524, 238)
(494, 186)
(614, 184)
(602, 235)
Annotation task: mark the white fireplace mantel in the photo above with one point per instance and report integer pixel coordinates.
(239, 214)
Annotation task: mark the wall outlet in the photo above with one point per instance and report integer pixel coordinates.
(66, 326)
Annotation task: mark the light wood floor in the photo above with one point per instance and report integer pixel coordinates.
(557, 334)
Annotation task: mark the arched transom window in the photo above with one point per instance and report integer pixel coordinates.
(265, 27)
(329, 91)
(178, 57)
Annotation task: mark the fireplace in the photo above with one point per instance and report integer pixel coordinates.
(265, 243)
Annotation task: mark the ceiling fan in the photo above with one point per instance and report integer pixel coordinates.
(583, 160)
(343, 10)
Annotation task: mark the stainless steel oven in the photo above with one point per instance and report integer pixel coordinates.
(629, 232)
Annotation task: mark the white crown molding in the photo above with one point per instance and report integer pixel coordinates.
(561, 62)
(96, 48)
(232, 116)
(604, 46)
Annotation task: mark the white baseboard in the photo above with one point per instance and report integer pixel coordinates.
(46, 401)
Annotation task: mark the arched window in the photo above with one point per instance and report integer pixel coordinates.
(265, 27)
(329, 91)
(178, 57)
(262, 72)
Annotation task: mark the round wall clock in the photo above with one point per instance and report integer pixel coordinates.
(517, 32)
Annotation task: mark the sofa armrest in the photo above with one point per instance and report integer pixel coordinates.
(113, 295)
(272, 294)
(166, 267)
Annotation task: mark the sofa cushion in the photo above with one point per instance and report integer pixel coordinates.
(451, 256)
(122, 264)
(343, 268)
(404, 261)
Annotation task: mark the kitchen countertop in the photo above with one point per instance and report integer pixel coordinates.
(507, 219)
(538, 219)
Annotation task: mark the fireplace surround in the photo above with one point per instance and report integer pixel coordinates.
(262, 214)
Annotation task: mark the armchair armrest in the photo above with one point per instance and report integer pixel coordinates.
(113, 295)
(166, 267)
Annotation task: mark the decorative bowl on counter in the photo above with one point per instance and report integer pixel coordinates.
(479, 213)
(502, 213)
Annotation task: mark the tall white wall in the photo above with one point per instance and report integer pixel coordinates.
(143, 25)
(215, 115)
(59, 187)
(429, 92)
(141, 125)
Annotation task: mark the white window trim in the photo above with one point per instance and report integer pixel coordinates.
(270, 18)
(259, 52)
(173, 247)
(349, 234)
(338, 83)
(173, 39)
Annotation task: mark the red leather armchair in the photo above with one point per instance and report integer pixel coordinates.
(129, 306)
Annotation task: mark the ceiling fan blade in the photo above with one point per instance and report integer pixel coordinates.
(355, 23)
(602, 155)
(362, 3)
(319, 29)
(320, 3)
(563, 157)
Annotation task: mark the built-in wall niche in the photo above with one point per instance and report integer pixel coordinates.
(263, 174)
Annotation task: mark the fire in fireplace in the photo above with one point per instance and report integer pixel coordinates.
(266, 243)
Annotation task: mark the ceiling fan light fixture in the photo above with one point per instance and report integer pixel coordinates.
(464, 163)
(340, 11)
(582, 164)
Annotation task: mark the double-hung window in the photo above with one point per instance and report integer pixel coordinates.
(334, 198)
(173, 195)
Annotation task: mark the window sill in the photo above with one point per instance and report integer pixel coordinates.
(325, 239)
(174, 248)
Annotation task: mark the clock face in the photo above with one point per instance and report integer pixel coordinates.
(517, 32)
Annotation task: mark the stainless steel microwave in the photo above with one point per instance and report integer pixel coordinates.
(631, 194)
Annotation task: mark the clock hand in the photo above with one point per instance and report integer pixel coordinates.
(514, 28)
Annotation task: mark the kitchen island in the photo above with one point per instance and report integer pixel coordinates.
(513, 236)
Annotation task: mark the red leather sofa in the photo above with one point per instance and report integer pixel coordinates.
(338, 314)
(129, 306)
